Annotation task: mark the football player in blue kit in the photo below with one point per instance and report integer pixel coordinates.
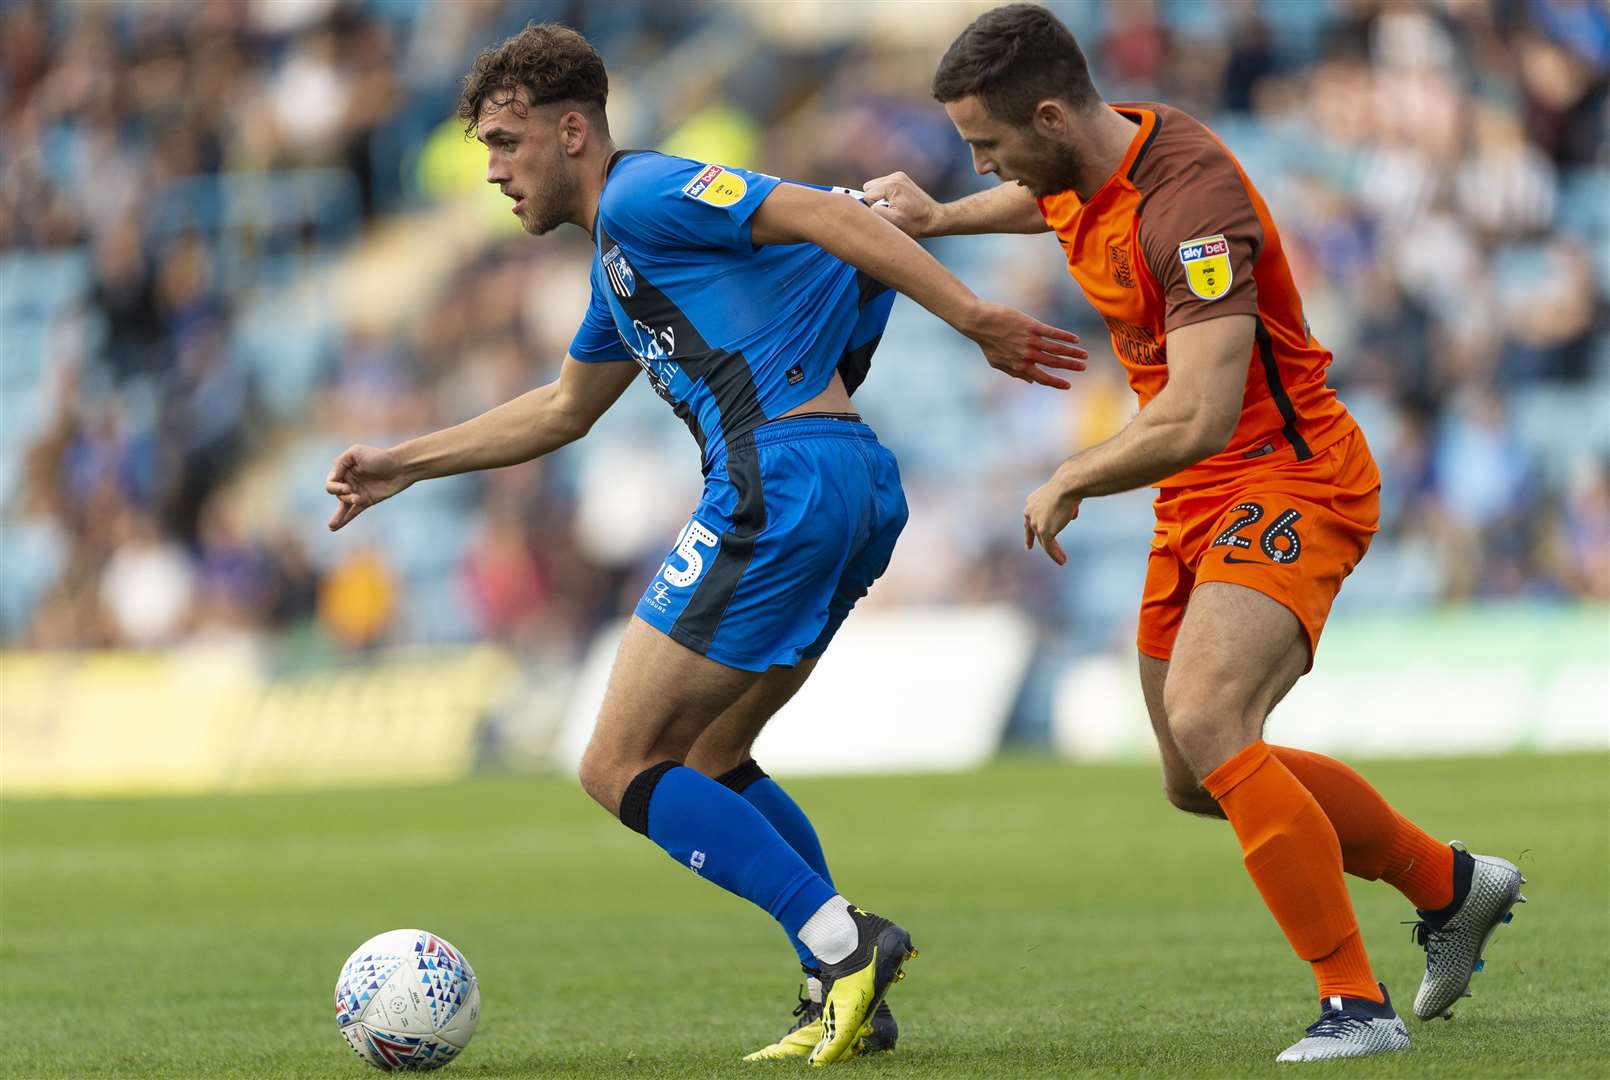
(753, 305)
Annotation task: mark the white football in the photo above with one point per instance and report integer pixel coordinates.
(407, 999)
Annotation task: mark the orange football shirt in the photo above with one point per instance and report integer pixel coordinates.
(1178, 235)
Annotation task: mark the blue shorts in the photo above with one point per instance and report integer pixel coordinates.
(796, 523)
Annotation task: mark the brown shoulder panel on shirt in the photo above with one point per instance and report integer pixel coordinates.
(1199, 230)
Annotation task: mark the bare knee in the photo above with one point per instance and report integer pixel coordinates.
(1199, 732)
(1182, 790)
(1189, 796)
(598, 779)
(605, 776)
(1210, 720)
(1208, 738)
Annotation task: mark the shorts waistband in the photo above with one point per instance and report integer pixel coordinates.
(812, 426)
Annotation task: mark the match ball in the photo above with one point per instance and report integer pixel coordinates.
(407, 999)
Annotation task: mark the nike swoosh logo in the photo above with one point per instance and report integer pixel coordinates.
(1247, 562)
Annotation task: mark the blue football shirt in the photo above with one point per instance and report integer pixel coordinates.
(731, 334)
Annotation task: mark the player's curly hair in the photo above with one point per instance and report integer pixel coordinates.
(1013, 58)
(551, 62)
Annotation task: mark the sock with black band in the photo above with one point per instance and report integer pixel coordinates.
(739, 777)
(785, 815)
(716, 833)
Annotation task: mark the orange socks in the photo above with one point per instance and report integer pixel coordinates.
(1377, 842)
(1419, 867)
(1295, 859)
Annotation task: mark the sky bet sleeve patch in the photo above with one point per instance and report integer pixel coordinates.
(1207, 265)
(716, 186)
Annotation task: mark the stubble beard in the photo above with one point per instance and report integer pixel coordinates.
(548, 209)
(1055, 169)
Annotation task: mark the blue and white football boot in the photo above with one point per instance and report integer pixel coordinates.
(1486, 890)
(1348, 1028)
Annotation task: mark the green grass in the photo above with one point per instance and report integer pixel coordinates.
(1070, 924)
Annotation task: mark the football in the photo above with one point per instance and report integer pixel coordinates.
(407, 999)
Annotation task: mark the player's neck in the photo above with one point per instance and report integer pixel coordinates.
(1106, 140)
(594, 171)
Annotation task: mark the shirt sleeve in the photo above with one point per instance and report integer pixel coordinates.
(686, 204)
(597, 339)
(1201, 237)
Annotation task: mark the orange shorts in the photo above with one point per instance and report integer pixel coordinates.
(1292, 533)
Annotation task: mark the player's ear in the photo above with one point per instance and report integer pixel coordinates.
(573, 131)
(1050, 118)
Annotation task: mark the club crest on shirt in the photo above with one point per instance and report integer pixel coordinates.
(1121, 272)
(716, 186)
(1207, 265)
(621, 277)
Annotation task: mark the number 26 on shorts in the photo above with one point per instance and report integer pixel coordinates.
(1279, 529)
(694, 535)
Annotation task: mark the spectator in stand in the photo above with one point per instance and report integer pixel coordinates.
(179, 330)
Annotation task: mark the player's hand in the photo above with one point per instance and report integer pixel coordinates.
(361, 477)
(898, 199)
(1047, 513)
(1018, 345)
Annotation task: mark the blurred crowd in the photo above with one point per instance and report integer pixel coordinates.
(239, 235)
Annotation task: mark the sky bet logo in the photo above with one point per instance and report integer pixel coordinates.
(1192, 250)
(703, 180)
(716, 186)
(1207, 265)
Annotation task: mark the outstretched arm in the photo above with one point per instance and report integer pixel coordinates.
(1005, 208)
(1011, 341)
(1191, 418)
(535, 423)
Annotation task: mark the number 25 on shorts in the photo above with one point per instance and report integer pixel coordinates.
(694, 536)
(1279, 541)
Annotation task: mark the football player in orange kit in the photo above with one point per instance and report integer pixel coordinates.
(1267, 494)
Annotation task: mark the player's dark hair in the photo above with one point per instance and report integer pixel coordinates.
(1013, 58)
(550, 62)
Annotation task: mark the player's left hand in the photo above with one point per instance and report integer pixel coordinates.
(1047, 513)
(1019, 345)
(361, 477)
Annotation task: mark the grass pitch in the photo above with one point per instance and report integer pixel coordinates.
(1070, 923)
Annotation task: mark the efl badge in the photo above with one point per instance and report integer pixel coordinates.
(1207, 265)
(716, 186)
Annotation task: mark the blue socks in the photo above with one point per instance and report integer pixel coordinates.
(715, 832)
(785, 815)
(789, 821)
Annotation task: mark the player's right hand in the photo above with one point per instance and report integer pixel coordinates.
(361, 477)
(1019, 344)
(898, 199)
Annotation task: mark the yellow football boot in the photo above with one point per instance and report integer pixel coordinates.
(800, 1039)
(879, 1034)
(854, 987)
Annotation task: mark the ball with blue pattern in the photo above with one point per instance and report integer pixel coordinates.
(407, 1000)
